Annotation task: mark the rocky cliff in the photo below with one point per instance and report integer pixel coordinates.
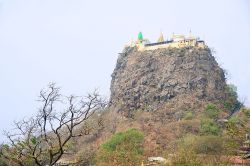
(149, 79)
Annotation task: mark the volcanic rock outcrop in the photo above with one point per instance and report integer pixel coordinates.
(148, 79)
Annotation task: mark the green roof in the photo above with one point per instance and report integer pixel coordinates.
(140, 37)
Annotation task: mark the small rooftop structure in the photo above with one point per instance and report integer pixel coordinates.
(176, 41)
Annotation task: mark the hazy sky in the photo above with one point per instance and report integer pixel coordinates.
(75, 43)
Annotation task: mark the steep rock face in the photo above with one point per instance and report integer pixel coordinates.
(147, 80)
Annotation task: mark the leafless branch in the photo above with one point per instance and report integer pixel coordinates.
(45, 135)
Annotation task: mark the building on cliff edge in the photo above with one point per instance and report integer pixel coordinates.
(176, 41)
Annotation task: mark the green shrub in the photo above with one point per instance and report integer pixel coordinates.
(185, 154)
(228, 105)
(209, 127)
(235, 128)
(3, 163)
(231, 102)
(124, 148)
(246, 111)
(186, 157)
(188, 115)
(211, 111)
(208, 144)
(230, 145)
(191, 148)
(233, 121)
(231, 91)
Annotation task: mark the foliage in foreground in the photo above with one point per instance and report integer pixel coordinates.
(214, 142)
(44, 138)
(124, 148)
(195, 150)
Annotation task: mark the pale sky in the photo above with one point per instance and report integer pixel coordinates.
(75, 43)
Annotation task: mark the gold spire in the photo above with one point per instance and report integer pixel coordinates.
(161, 38)
(190, 32)
(191, 35)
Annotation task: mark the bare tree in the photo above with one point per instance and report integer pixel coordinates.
(42, 139)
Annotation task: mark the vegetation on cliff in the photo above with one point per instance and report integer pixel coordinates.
(123, 148)
(174, 103)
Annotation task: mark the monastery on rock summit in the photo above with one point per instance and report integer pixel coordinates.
(176, 41)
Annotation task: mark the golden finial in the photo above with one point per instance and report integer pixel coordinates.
(161, 38)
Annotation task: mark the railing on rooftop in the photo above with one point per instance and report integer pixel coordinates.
(159, 43)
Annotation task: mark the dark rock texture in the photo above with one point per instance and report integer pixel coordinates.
(147, 80)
